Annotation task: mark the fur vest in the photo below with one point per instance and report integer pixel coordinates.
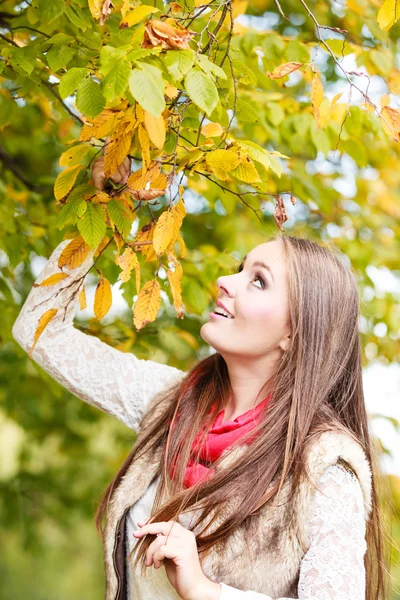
(279, 539)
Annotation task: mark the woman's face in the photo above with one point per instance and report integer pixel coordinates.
(258, 300)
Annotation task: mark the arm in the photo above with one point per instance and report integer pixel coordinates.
(333, 567)
(116, 382)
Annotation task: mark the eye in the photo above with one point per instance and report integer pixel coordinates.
(257, 276)
(260, 278)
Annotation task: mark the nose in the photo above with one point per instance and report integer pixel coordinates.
(225, 284)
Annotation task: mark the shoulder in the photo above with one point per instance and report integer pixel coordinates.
(337, 455)
(338, 504)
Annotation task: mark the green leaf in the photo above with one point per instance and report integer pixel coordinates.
(119, 216)
(65, 180)
(179, 62)
(209, 67)
(70, 81)
(92, 226)
(245, 111)
(109, 55)
(139, 53)
(137, 14)
(76, 16)
(256, 152)
(49, 10)
(202, 90)
(243, 74)
(59, 38)
(68, 214)
(59, 56)
(114, 84)
(74, 155)
(89, 98)
(147, 87)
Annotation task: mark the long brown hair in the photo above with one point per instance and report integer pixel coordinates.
(317, 386)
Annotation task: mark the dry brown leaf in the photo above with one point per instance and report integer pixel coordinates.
(148, 304)
(43, 322)
(147, 195)
(102, 298)
(74, 253)
(284, 69)
(280, 215)
(160, 33)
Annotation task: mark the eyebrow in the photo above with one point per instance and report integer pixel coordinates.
(258, 263)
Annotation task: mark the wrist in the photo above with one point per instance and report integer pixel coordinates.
(207, 590)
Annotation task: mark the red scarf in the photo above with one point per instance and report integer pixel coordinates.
(220, 437)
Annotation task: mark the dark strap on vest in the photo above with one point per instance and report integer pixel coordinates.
(120, 559)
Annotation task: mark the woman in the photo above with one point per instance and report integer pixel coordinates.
(252, 476)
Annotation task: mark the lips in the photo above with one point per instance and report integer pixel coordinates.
(219, 303)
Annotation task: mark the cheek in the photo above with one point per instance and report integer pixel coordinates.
(259, 311)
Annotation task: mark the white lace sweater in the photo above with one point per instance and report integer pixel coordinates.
(122, 385)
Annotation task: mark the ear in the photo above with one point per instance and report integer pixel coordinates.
(284, 344)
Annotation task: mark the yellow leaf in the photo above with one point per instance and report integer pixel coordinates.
(74, 253)
(392, 124)
(171, 91)
(115, 152)
(317, 96)
(82, 299)
(144, 142)
(324, 112)
(127, 261)
(239, 8)
(148, 304)
(388, 14)
(144, 240)
(178, 212)
(102, 298)
(137, 14)
(95, 8)
(212, 130)
(175, 279)
(118, 240)
(43, 322)
(182, 246)
(98, 127)
(155, 128)
(101, 246)
(284, 69)
(163, 231)
(52, 280)
(65, 180)
(221, 162)
(246, 171)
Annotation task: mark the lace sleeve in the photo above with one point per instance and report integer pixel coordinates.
(333, 568)
(116, 382)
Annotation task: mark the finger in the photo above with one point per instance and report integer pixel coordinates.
(159, 541)
(171, 551)
(164, 527)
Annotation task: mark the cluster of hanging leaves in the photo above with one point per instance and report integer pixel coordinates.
(175, 88)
